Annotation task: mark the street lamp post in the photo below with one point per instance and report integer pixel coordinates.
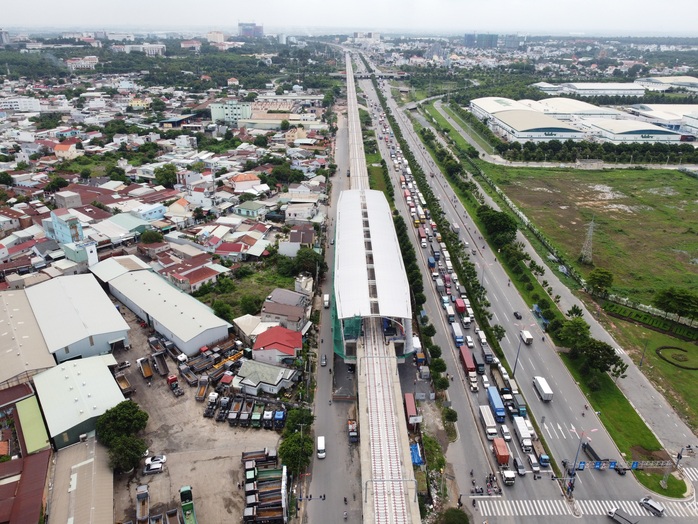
(516, 363)
(642, 358)
(570, 487)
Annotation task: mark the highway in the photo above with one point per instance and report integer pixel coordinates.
(561, 421)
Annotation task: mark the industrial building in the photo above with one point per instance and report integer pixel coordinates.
(77, 319)
(73, 395)
(518, 122)
(603, 89)
(671, 116)
(570, 109)
(172, 313)
(625, 131)
(662, 83)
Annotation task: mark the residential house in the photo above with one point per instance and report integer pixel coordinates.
(291, 317)
(277, 345)
(63, 226)
(251, 209)
(243, 182)
(289, 298)
(254, 378)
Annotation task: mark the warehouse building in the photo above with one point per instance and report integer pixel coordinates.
(625, 131)
(73, 395)
(671, 116)
(662, 83)
(603, 89)
(172, 313)
(77, 319)
(570, 109)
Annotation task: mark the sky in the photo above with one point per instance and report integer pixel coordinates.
(430, 17)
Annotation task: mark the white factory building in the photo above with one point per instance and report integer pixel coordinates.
(662, 83)
(172, 313)
(603, 89)
(626, 131)
(570, 109)
(671, 116)
(517, 122)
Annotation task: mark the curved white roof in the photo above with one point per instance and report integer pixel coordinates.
(533, 121)
(370, 277)
(497, 104)
(630, 127)
(562, 105)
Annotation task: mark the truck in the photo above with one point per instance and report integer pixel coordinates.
(144, 366)
(173, 351)
(225, 403)
(211, 405)
(450, 314)
(326, 301)
(496, 404)
(246, 413)
(268, 418)
(457, 333)
(160, 363)
(621, 516)
(142, 503)
(522, 434)
(422, 234)
(498, 380)
(187, 505)
(439, 283)
(456, 229)
(466, 358)
(172, 516)
(520, 405)
(460, 306)
(501, 451)
(352, 430)
(202, 388)
(188, 375)
(526, 337)
(543, 389)
(539, 450)
(431, 262)
(513, 386)
(266, 456)
(279, 419)
(479, 365)
(174, 386)
(488, 423)
(436, 252)
(449, 266)
(234, 413)
(124, 384)
(257, 412)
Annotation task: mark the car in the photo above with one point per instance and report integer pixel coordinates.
(519, 467)
(621, 471)
(323, 360)
(652, 506)
(517, 315)
(469, 341)
(152, 469)
(506, 434)
(485, 381)
(155, 459)
(332, 242)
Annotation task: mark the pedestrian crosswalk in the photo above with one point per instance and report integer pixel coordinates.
(499, 507)
(691, 474)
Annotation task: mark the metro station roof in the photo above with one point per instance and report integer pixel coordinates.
(370, 277)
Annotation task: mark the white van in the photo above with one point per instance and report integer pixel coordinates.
(652, 506)
(321, 453)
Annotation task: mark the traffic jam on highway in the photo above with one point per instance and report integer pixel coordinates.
(503, 413)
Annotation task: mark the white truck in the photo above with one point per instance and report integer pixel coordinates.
(621, 516)
(488, 422)
(522, 434)
(543, 389)
(326, 300)
(526, 337)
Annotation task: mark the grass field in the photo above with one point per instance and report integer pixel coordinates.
(645, 221)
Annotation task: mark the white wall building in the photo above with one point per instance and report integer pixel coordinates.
(23, 104)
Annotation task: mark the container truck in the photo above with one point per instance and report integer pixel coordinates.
(460, 306)
(526, 337)
(124, 384)
(479, 365)
(522, 434)
(456, 229)
(539, 450)
(431, 262)
(457, 334)
(160, 363)
(501, 451)
(142, 503)
(352, 430)
(202, 388)
(498, 380)
(496, 404)
(234, 413)
(144, 366)
(450, 314)
(543, 389)
(488, 423)
(439, 283)
(466, 358)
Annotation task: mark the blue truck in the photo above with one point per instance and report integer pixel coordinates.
(496, 404)
(432, 263)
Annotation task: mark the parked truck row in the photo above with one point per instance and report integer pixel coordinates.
(264, 489)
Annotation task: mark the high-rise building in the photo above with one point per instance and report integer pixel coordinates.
(230, 111)
(487, 41)
(250, 30)
(512, 41)
(4, 37)
(216, 37)
(470, 40)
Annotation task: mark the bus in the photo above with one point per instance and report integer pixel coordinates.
(457, 334)
(422, 200)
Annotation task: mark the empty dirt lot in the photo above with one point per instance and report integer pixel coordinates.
(200, 452)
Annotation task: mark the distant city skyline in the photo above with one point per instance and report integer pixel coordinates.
(312, 17)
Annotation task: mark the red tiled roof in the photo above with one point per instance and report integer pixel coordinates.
(281, 339)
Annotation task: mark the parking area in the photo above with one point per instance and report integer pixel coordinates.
(200, 452)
